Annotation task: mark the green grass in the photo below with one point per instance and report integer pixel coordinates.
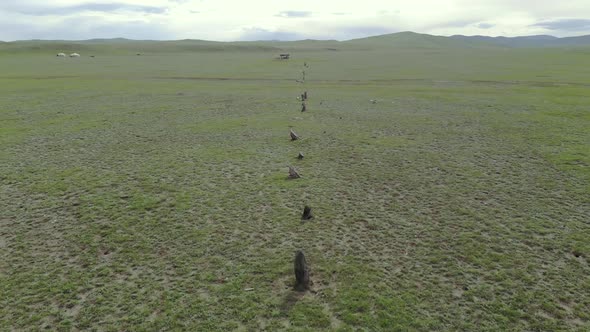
(150, 193)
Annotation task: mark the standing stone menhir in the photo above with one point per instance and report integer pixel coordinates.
(306, 213)
(301, 272)
(293, 174)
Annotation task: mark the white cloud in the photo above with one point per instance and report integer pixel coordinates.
(271, 19)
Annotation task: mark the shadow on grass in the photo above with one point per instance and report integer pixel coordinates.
(290, 300)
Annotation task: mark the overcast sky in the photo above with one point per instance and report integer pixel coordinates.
(228, 20)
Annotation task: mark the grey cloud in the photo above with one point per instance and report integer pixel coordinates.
(458, 23)
(293, 14)
(251, 34)
(338, 33)
(87, 27)
(461, 23)
(10, 31)
(363, 31)
(88, 7)
(565, 24)
(485, 25)
(131, 30)
(345, 32)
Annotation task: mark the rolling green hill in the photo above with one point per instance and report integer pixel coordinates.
(402, 40)
(528, 41)
(417, 40)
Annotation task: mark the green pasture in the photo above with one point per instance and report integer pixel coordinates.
(450, 186)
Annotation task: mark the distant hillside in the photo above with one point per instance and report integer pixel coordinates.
(527, 41)
(401, 40)
(127, 46)
(417, 40)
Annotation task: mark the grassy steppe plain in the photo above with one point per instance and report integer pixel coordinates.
(143, 193)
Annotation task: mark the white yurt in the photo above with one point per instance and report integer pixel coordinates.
(74, 55)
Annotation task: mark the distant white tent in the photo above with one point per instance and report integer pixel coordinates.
(61, 55)
(74, 55)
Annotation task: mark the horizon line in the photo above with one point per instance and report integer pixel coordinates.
(286, 41)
